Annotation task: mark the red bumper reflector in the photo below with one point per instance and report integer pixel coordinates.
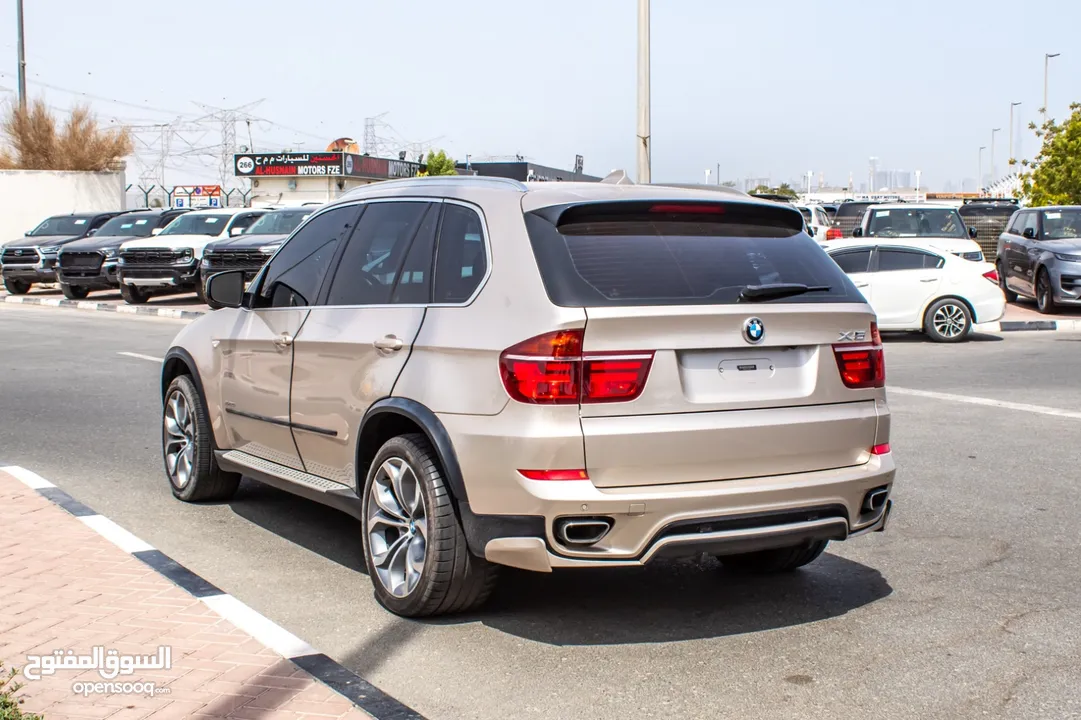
(883, 449)
(554, 474)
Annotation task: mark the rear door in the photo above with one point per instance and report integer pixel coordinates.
(257, 356)
(903, 282)
(728, 385)
(855, 263)
(355, 343)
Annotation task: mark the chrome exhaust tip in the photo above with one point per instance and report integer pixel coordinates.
(582, 532)
(875, 500)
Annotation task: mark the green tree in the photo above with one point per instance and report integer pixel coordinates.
(786, 190)
(439, 164)
(1053, 177)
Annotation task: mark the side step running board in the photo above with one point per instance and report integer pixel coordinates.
(298, 482)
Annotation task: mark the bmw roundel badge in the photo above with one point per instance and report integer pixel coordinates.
(754, 330)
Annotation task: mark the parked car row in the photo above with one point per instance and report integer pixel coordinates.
(145, 252)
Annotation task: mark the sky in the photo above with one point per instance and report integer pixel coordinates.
(764, 89)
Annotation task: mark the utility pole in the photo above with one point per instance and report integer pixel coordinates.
(718, 173)
(22, 54)
(1012, 106)
(1046, 60)
(993, 131)
(979, 173)
(643, 92)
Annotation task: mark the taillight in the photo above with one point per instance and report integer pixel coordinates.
(862, 365)
(992, 275)
(834, 233)
(550, 369)
(883, 449)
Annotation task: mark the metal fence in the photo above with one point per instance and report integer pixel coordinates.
(159, 196)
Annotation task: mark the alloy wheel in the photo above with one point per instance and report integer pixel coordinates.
(1043, 292)
(397, 527)
(950, 321)
(179, 439)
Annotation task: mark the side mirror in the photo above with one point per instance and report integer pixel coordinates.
(27, 233)
(156, 231)
(973, 232)
(92, 232)
(1030, 233)
(236, 231)
(225, 289)
(858, 232)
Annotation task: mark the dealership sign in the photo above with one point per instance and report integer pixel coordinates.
(321, 164)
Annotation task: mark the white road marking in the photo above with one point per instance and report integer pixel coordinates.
(140, 356)
(987, 402)
(259, 626)
(30, 479)
(115, 534)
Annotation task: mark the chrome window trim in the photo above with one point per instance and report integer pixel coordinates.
(433, 200)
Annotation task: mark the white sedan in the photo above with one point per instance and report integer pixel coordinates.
(917, 286)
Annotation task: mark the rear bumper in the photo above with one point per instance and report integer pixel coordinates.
(989, 309)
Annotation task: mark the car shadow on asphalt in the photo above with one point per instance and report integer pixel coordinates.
(668, 600)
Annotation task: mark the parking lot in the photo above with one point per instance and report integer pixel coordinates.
(966, 607)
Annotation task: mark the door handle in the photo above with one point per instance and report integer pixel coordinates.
(930, 279)
(388, 342)
(283, 341)
(862, 284)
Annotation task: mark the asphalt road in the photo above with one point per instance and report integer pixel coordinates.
(968, 606)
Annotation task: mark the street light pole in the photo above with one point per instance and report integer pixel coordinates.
(1046, 61)
(643, 92)
(1012, 106)
(993, 131)
(22, 54)
(979, 173)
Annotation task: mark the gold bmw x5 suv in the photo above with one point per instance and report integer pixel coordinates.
(541, 375)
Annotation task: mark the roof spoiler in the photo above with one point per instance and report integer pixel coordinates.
(617, 177)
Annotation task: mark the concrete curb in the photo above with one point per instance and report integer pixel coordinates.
(1030, 326)
(326, 670)
(105, 307)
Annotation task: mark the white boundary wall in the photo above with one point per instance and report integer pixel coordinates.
(29, 196)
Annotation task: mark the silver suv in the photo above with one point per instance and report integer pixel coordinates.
(543, 375)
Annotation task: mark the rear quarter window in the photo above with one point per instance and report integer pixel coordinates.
(625, 254)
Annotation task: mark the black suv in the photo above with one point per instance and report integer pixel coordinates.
(250, 250)
(848, 217)
(33, 258)
(91, 263)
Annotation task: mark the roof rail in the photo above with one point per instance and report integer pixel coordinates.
(431, 180)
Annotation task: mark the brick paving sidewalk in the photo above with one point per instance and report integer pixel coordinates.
(65, 587)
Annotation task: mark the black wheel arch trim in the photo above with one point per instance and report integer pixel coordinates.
(174, 355)
(435, 431)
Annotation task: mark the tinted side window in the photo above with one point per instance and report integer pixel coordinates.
(243, 222)
(461, 258)
(99, 221)
(1016, 223)
(853, 261)
(892, 260)
(415, 280)
(293, 277)
(369, 267)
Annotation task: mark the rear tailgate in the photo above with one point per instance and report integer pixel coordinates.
(720, 399)
(715, 407)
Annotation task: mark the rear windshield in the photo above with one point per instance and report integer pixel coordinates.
(851, 209)
(598, 257)
(806, 213)
(978, 210)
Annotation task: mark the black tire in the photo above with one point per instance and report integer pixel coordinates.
(205, 481)
(954, 325)
(778, 560)
(1011, 296)
(17, 287)
(452, 579)
(133, 295)
(74, 292)
(1045, 295)
(200, 291)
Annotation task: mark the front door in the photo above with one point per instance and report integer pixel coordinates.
(905, 280)
(257, 360)
(354, 345)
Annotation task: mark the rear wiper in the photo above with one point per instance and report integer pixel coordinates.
(753, 293)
